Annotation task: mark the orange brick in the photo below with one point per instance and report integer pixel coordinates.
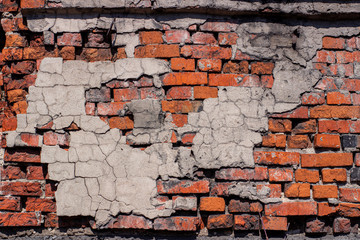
(334, 175)
(9, 124)
(275, 190)
(220, 221)
(203, 38)
(305, 175)
(15, 40)
(333, 43)
(349, 209)
(208, 52)
(298, 141)
(340, 126)
(31, 140)
(111, 108)
(351, 85)
(151, 37)
(201, 92)
(32, 3)
(325, 57)
(182, 186)
(185, 78)
(212, 204)
(267, 81)
(291, 209)
(188, 138)
(180, 106)
(313, 98)
(182, 64)
(177, 36)
(228, 38)
(232, 67)
(338, 98)
(180, 119)
(327, 141)
(309, 126)
(280, 125)
(209, 65)
(326, 160)
(275, 223)
(157, 51)
(179, 93)
(324, 209)
(128, 94)
(274, 140)
(260, 68)
(297, 190)
(325, 191)
(277, 158)
(326, 111)
(349, 194)
(300, 112)
(280, 175)
(243, 80)
(123, 123)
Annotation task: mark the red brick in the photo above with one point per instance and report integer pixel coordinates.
(353, 42)
(208, 52)
(326, 84)
(182, 64)
(39, 204)
(179, 93)
(232, 67)
(228, 38)
(274, 140)
(338, 98)
(16, 95)
(345, 57)
(32, 3)
(275, 223)
(291, 209)
(182, 187)
(157, 51)
(12, 54)
(188, 138)
(333, 43)
(220, 221)
(355, 98)
(10, 203)
(351, 84)
(260, 68)
(203, 38)
(12, 172)
(209, 65)
(35, 173)
(316, 226)
(305, 175)
(325, 191)
(121, 95)
(280, 175)
(341, 70)
(277, 158)
(342, 225)
(212, 204)
(326, 160)
(177, 36)
(275, 190)
(349, 194)
(21, 188)
(280, 125)
(324, 209)
(180, 106)
(243, 80)
(325, 57)
(297, 190)
(50, 189)
(96, 40)
(111, 109)
(300, 112)
(340, 126)
(177, 223)
(217, 26)
(90, 109)
(221, 188)
(246, 222)
(256, 207)
(202, 92)
(326, 111)
(326, 141)
(267, 81)
(122, 123)
(51, 220)
(349, 209)
(185, 78)
(180, 119)
(298, 141)
(129, 222)
(31, 140)
(309, 126)
(25, 67)
(151, 37)
(22, 155)
(236, 206)
(96, 54)
(20, 219)
(69, 39)
(313, 98)
(152, 93)
(9, 124)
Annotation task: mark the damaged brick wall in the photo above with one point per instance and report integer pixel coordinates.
(119, 115)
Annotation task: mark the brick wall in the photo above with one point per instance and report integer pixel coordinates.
(305, 172)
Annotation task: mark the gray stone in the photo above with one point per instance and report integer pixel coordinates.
(51, 65)
(61, 171)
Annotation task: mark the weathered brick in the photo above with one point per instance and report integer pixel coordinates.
(128, 94)
(218, 26)
(203, 92)
(177, 36)
(151, 37)
(152, 93)
(207, 52)
(11, 172)
(24, 67)
(349, 209)
(349, 141)
(326, 141)
(182, 187)
(39, 204)
(246, 222)
(21, 188)
(22, 155)
(236, 206)
(32, 3)
(203, 38)
(351, 85)
(9, 124)
(180, 119)
(111, 108)
(232, 67)
(123, 123)
(98, 95)
(305, 175)
(280, 175)
(212, 204)
(274, 140)
(69, 39)
(275, 190)
(333, 126)
(182, 64)
(280, 125)
(300, 112)
(129, 222)
(13, 24)
(333, 43)
(349, 194)
(177, 223)
(15, 40)
(259, 173)
(325, 57)
(298, 141)
(20, 219)
(326, 160)
(179, 93)
(90, 108)
(309, 126)
(157, 51)
(324, 209)
(185, 78)
(221, 188)
(324, 191)
(260, 68)
(228, 38)
(316, 98)
(96, 54)
(184, 203)
(20, 107)
(243, 80)
(35, 173)
(326, 83)
(68, 53)
(355, 174)
(297, 190)
(209, 65)
(16, 95)
(267, 81)
(187, 138)
(333, 175)
(275, 223)
(34, 53)
(342, 225)
(338, 98)
(50, 189)
(316, 226)
(220, 221)
(180, 106)
(96, 40)
(31, 140)
(10, 203)
(291, 209)
(12, 54)
(277, 158)
(51, 220)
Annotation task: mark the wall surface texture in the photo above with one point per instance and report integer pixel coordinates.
(152, 117)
